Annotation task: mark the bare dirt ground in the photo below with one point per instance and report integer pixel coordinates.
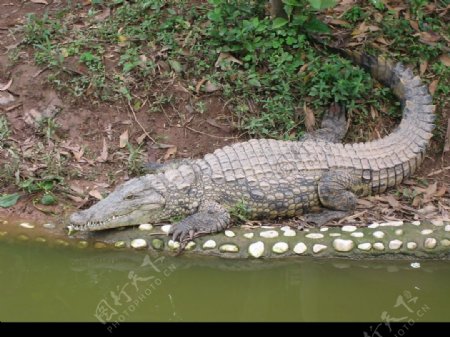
(90, 138)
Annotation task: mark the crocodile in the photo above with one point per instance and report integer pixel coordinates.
(277, 179)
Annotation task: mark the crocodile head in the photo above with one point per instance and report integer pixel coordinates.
(137, 201)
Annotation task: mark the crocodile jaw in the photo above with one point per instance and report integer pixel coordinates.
(134, 202)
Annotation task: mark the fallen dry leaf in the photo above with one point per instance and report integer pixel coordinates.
(104, 155)
(226, 57)
(383, 41)
(76, 189)
(428, 37)
(432, 87)
(96, 194)
(78, 153)
(310, 119)
(394, 203)
(141, 138)
(361, 29)
(423, 67)
(123, 139)
(170, 153)
(444, 58)
(373, 113)
(6, 86)
(364, 203)
(414, 25)
(441, 191)
(430, 191)
(199, 84)
(417, 201)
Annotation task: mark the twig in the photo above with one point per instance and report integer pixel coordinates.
(438, 171)
(40, 71)
(207, 134)
(139, 123)
(351, 217)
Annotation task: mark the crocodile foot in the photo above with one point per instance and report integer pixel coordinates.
(210, 218)
(333, 127)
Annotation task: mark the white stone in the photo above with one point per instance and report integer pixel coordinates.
(210, 244)
(314, 236)
(49, 226)
(426, 232)
(334, 234)
(398, 232)
(395, 244)
(342, 245)
(374, 225)
(415, 223)
(324, 229)
(230, 234)
(445, 243)
(229, 248)
(138, 243)
(286, 228)
(280, 247)
(348, 228)
(269, 234)
(300, 248)
(447, 228)
(438, 222)
(357, 234)
(145, 227)
(365, 246)
(249, 235)
(415, 265)
(430, 243)
(392, 224)
(267, 227)
(190, 245)
(26, 225)
(317, 248)
(289, 233)
(256, 249)
(173, 244)
(378, 234)
(378, 246)
(166, 228)
(411, 245)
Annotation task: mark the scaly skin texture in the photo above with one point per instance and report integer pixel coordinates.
(275, 179)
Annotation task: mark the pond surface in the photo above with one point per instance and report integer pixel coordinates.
(39, 283)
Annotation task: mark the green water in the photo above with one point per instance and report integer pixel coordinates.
(50, 284)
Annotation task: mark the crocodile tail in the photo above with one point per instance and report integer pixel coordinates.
(412, 136)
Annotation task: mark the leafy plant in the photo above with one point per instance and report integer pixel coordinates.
(8, 200)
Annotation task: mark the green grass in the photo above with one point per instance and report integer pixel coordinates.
(274, 73)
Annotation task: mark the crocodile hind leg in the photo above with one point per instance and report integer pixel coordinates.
(338, 191)
(333, 127)
(210, 218)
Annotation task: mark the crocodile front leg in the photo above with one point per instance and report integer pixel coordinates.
(338, 191)
(210, 218)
